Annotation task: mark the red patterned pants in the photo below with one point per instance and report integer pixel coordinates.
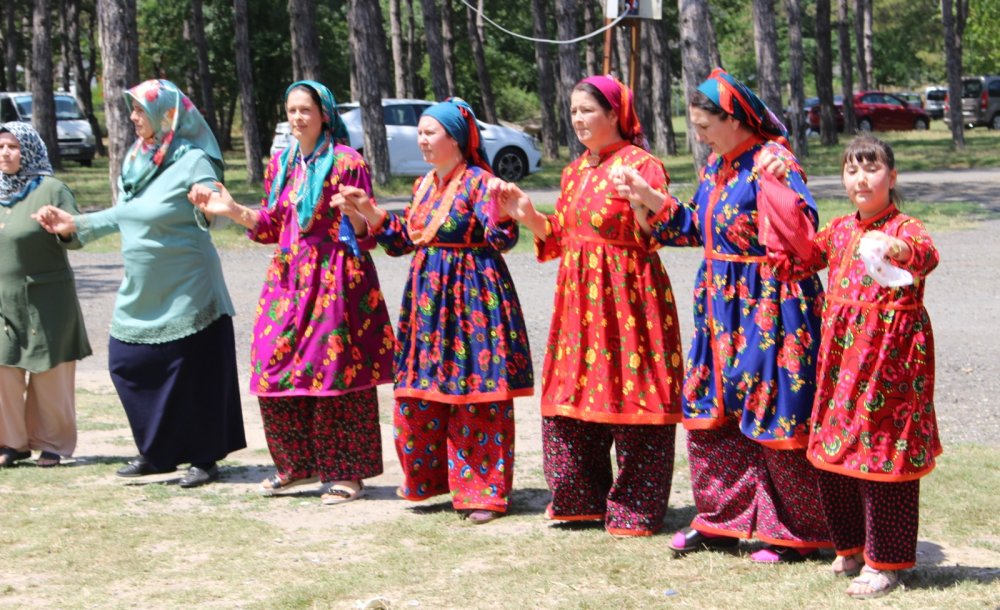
(334, 437)
(577, 463)
(744, 489)
(877, 518)
(467, 450)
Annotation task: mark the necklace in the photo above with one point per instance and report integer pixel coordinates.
(295, 195)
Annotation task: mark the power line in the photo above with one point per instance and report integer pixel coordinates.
(623, 15)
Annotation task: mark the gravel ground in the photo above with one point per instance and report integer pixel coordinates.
(963, 301)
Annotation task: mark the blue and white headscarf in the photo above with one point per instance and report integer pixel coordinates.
(34, 164)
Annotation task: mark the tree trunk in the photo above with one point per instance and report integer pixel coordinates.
(569, 68)
(43, 106)
(414, 86)
(363, 16)
(252, 148)
(435, 49)
(64, 63)
(120, 58)
(26, 60)
(621, 38)
(4, 9)
(954, 25)
(305, 41)
(796, 61)
(488, 106)
(868, 44)
(80, 76)
(697, 53)
(661, 86)
(546, 81)
(448, 45)
(846, 69)
(204, 72)
(10, 50)
(824, 74)
(864, 83)
(592, 48)
(398, 62)
(765, 37)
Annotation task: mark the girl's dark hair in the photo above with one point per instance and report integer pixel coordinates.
(315, 98)
(866, 148)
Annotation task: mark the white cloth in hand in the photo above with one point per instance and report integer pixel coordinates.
(873, 253)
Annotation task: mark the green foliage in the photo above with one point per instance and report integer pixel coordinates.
(982, 38)
(907, 43)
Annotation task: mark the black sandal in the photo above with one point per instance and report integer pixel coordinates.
(47, 459)
(689, 539)
(8, 456)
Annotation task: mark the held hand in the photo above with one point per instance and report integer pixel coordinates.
(55, 220)
(632, 186)
(353, 201)
(772, 164)
(210, 202)
(896, 249)
(510, 199)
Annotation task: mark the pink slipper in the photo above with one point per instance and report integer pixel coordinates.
(781, 554)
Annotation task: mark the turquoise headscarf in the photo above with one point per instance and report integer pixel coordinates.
(457, 118)
(317, 165)
(177, 128)
(34, 164)
(742, 103)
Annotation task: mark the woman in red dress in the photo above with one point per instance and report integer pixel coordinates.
(612, 371)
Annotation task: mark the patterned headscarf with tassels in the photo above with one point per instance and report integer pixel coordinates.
(743, 104)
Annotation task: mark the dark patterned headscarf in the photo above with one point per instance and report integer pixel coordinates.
(743, 104)
(34, 164)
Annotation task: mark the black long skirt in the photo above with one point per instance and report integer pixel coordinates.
(182, 398)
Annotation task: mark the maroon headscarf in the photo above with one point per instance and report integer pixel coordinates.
(621, 99)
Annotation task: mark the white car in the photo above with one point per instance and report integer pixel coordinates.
(512, 154)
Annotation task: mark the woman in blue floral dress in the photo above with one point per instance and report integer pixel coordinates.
(751, 371)
(463, 348)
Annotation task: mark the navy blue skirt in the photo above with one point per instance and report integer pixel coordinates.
(182, 398)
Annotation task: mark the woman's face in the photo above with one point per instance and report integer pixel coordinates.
(720, 134)
(304, 117)
(595, 127)
(436, 145)
(143, 126)
(868, 184)
(10, 153)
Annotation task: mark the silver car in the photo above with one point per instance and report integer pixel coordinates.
(512, 153)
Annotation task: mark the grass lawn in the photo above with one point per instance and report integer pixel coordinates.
(77, 537)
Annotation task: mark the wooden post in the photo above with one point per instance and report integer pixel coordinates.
(633, 61)
(608, 40)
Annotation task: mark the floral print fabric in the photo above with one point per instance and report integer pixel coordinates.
(461, 332)
(753, 355)
(613, 353)
(322, 326)
(874, 412)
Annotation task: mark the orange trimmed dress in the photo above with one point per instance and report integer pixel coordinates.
(614, 350)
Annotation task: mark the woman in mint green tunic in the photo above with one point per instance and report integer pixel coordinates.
(171, 353)
(43, 334)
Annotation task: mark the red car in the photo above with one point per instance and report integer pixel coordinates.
(877, 110)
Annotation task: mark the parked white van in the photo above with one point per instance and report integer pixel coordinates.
(76, 139)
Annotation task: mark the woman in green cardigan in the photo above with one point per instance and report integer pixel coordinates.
(43, 334)
(171, 355)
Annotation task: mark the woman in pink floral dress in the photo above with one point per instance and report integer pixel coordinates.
(322, 341)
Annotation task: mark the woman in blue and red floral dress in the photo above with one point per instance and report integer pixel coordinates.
(463, 348)
(612, 373)
(751, 371)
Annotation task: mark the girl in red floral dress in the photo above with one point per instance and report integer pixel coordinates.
(874, 433)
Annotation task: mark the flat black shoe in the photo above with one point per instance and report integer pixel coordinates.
(140, 467)
(10, 456)
(196, 476)
(689, 539)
